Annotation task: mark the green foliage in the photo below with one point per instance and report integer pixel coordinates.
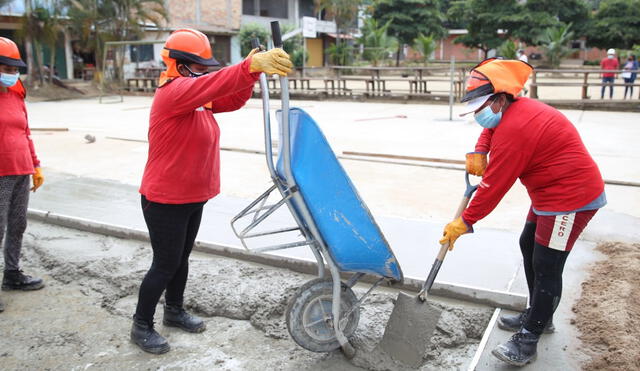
(483, 19)
(340, 54)
(508, 50)
(376, 41)
(343, 12)
(297, 57)
(409, 18)
(533, 17)
(97, 22)
(616, 25)
(249, 32)
(554, 44)
(426, 45)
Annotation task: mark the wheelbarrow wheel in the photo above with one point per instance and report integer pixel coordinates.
(309, 318)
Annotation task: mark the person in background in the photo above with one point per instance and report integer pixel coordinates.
(610, 62)
(522, 56)
(531, 141)
(183, 168)
(18, 163)
(629, 75)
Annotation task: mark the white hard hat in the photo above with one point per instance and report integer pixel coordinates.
(611, 51)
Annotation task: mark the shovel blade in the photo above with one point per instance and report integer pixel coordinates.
(409, 330)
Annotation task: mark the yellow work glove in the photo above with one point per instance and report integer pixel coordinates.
(476, 163)
(37, 178)
(252, 52)
(274, 61)
(454, 230)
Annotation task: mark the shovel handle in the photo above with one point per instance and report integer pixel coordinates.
(435, 268)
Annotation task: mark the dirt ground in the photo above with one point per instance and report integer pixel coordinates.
(608, 312)
(81, 319)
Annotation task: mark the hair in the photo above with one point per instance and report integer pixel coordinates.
(509, 97)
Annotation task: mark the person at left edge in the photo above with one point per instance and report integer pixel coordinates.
(183, 168)
(18, 163)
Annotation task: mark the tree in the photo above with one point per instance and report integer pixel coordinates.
(376, 41)
(343, 12)
(554, 44)
(483, 19)
(99, 21)
(616, 24)
(252, 31)
(508, 50)
(409, 18)
(40, 26)
(534, 17)
(426, 45)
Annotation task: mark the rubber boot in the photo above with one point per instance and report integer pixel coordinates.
(514, 322)
(148, 339)
(519, 350)
(16, 280)
(176, 316)
(1, 307)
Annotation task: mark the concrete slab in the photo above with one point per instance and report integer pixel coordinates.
(491, 254)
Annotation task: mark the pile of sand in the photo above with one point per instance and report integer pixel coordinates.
(608, 312)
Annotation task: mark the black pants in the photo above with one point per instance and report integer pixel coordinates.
(173, 230)
(543, 268)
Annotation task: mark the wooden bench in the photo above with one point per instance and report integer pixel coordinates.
(146, 84)
(585, 86)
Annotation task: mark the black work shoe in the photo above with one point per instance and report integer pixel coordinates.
(148, 339)
(514, 322)
(16, 280)
(519, 350)
(176, 316)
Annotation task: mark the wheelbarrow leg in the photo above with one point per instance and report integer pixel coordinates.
(348, 349)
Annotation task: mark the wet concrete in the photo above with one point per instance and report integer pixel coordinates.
(92, 281)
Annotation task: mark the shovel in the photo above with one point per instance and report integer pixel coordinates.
(413, 320)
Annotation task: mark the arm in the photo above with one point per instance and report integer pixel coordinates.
(32, 150)
(505, 167)
(233, 101)
(187, 94)
(484, 141)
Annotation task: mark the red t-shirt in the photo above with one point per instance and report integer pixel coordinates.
(609, 64)
(184, 149)
(539, 145)
(17, 154)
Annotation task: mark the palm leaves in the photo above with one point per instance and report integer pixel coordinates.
(376, 41)
(554, 43)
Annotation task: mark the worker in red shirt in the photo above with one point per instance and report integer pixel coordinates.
(531, 141)
(183, 168)
(18, 163)
(610, 62)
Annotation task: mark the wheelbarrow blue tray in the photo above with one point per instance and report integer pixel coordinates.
(346, 225)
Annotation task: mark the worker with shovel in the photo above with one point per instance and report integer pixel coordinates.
(183, 168)
(19, 166)
(531, 141)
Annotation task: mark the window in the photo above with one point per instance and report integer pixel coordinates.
(307, 8)
(141, 53)
(249, 7)
(266, 8)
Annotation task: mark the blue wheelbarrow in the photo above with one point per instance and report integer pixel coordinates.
(331, 219)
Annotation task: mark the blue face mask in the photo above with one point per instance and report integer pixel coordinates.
(8, 80)
(487, 119)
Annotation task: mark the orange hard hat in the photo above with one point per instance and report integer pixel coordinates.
(9, 53)
(494, 76)
(189, 45)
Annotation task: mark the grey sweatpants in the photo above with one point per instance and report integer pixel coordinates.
(14, 198)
